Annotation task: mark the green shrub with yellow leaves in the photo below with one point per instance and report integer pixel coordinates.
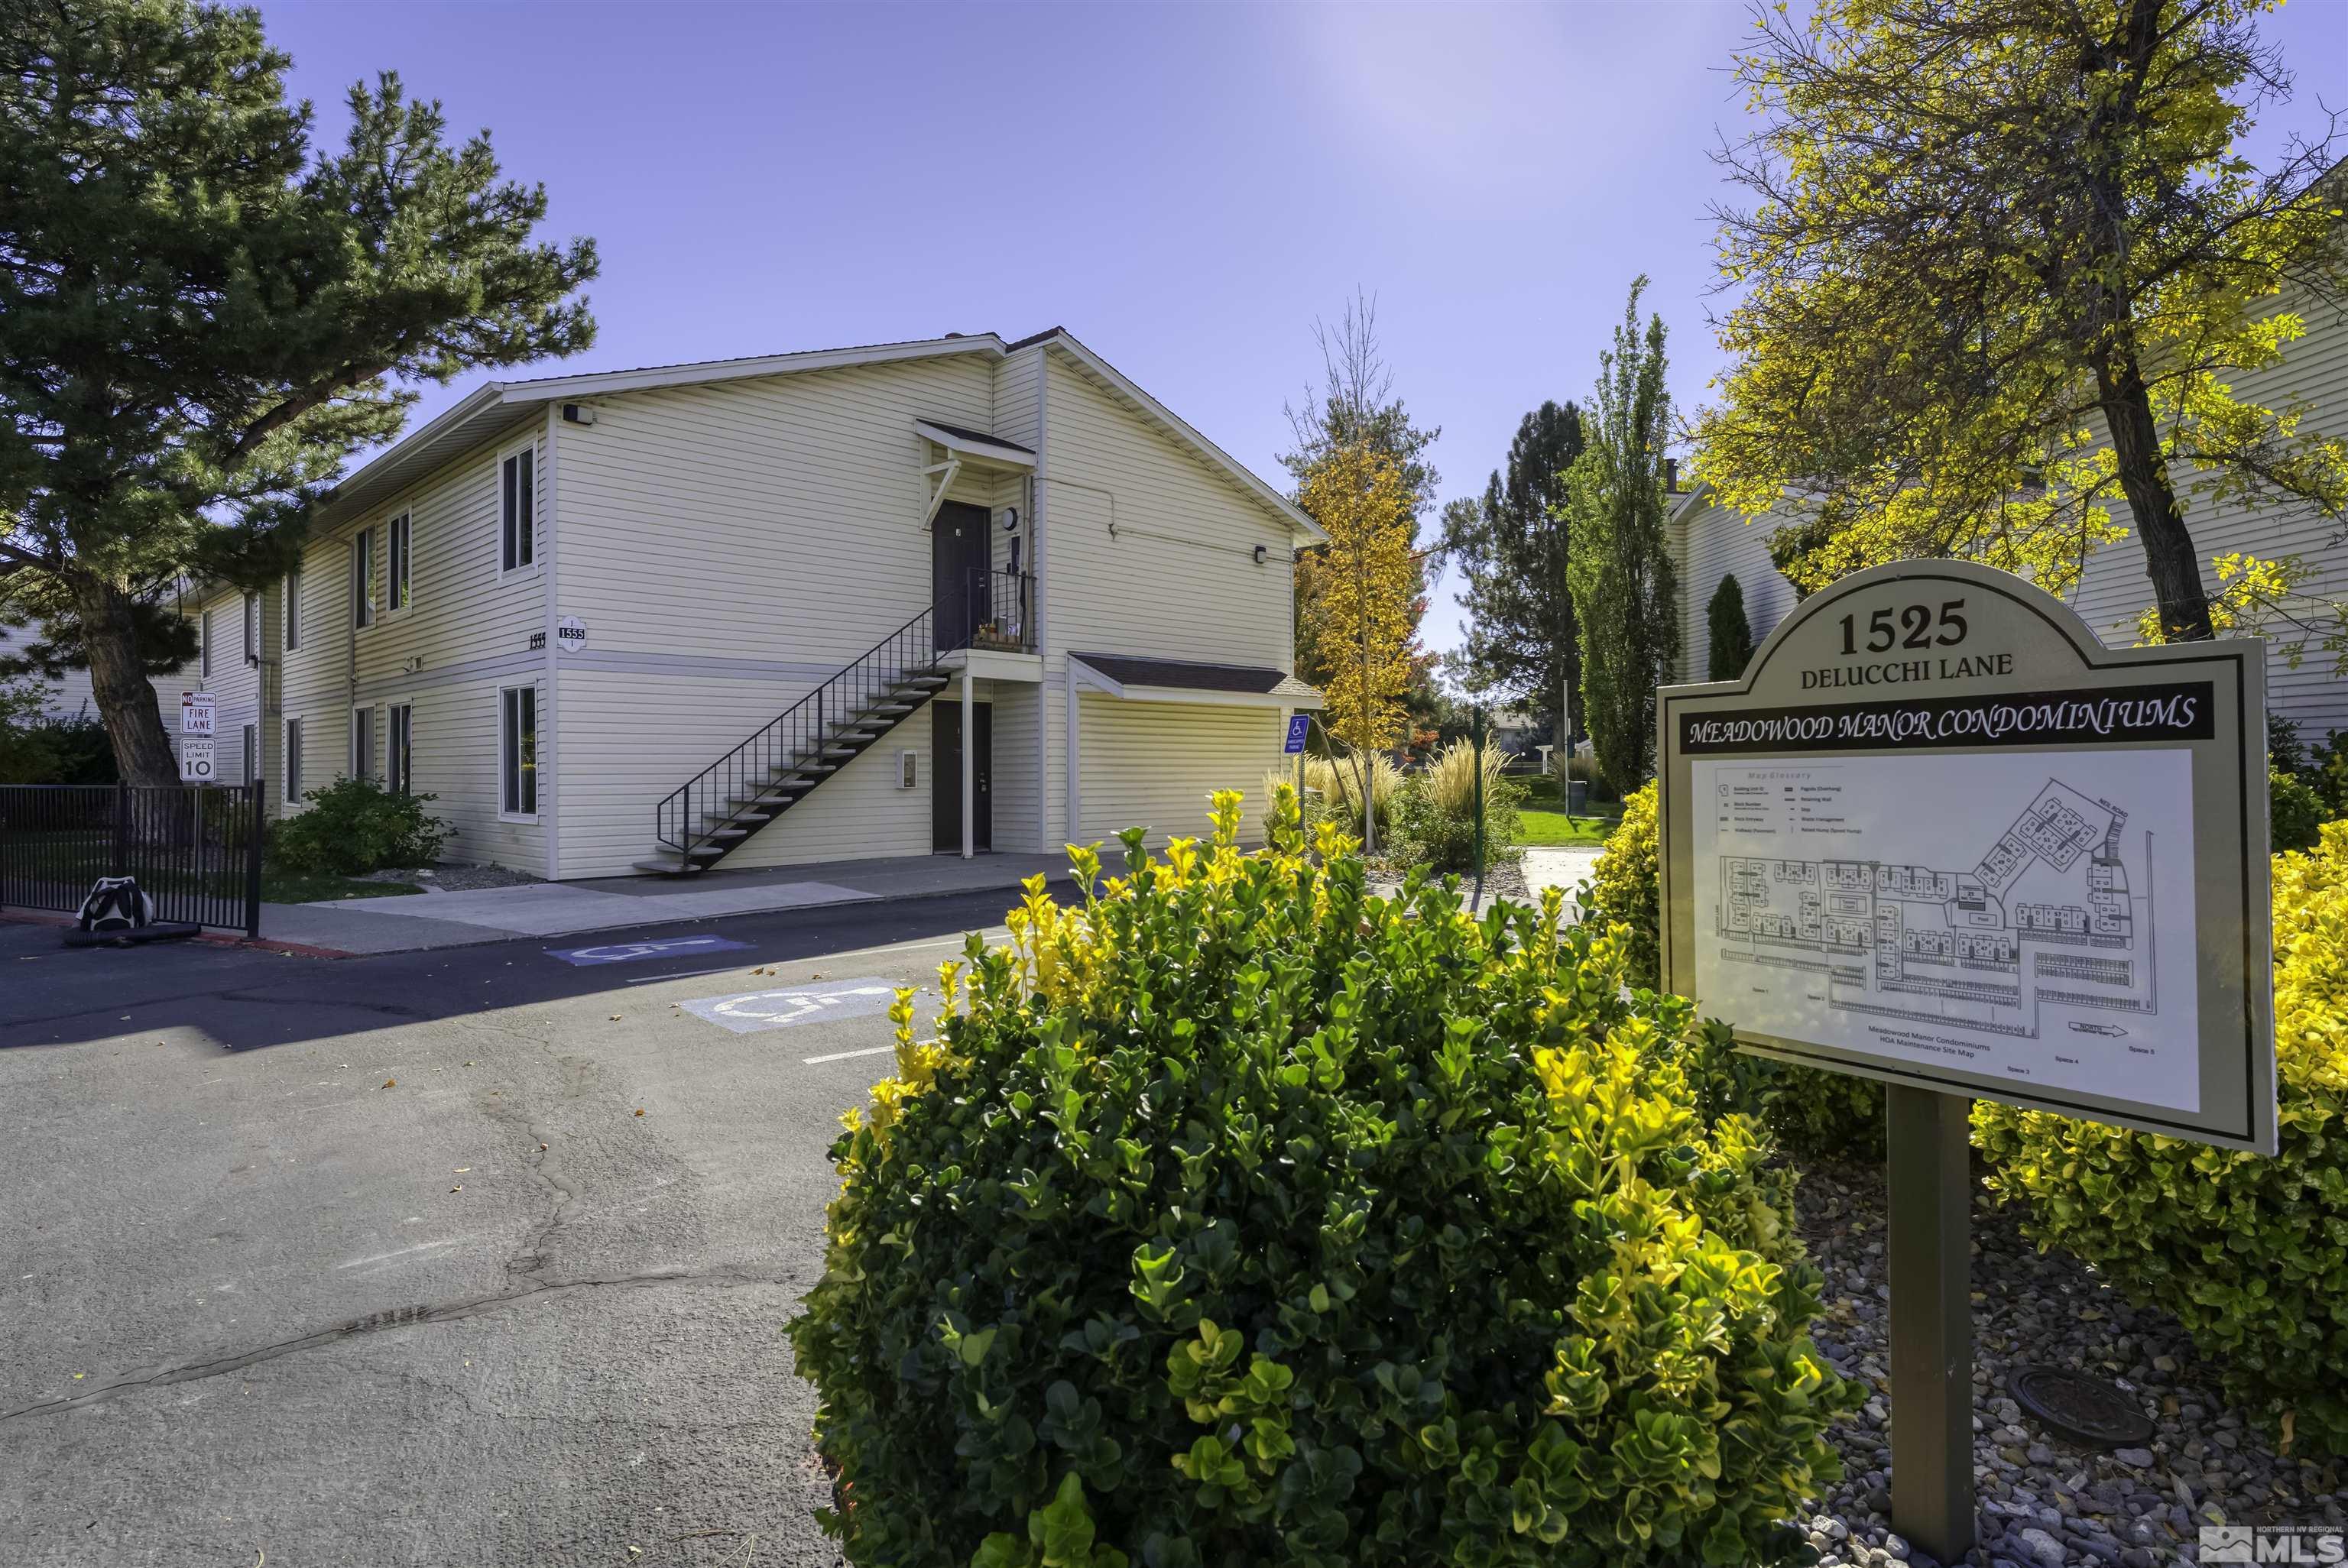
(2250, 1254)
(1237, 1217)
(1806, 1111)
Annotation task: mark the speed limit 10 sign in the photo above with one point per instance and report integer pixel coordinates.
(197, 761)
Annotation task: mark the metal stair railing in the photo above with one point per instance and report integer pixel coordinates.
(797, 738)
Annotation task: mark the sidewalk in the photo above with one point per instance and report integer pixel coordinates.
(403, 922)
(1562, 866)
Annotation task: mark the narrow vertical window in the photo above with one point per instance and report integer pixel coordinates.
(363, 579)
(293, 609)
(517, 508)
(252, 753)
(292, 762)
(395, 582)
(400, 760)
(252, 627)
(361, 742)
(204, 645)
(518, 749)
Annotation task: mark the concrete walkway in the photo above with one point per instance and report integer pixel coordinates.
(1560, 865)
(403, 922)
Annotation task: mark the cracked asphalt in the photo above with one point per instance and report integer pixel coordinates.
(445, 1259)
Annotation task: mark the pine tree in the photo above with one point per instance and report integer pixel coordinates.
(1727, 630)
(1511, 546)
(200, 321)
(1619, 566)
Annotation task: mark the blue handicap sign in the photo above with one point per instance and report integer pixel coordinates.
(658, 948)
(1297, 725)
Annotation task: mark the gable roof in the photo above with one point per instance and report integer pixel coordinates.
(494, 408)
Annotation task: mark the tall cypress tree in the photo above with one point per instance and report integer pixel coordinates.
(1511, 544)
(201, 321)
(1728, 632)
(1619, 568)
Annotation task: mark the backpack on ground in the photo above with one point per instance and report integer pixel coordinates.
(117, 904)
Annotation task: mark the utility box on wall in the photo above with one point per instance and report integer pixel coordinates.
(908, 769)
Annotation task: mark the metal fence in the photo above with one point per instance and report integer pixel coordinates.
(196, 852)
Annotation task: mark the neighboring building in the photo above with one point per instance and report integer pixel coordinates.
(564, 604)
(1708, 540)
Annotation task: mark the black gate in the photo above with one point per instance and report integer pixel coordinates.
(196, 852)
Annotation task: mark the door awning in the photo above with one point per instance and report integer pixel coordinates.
(976, 446)
(1134, 680)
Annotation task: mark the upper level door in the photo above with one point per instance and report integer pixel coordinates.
(959, 556)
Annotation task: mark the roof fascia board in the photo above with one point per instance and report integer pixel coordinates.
(992, 452)
(1182, 431)
(614, 381)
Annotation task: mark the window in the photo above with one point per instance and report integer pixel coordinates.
(395, 579)
(518, 749)
(361, 742)
(292, 762)
(251, 753)
(204, 645)
(401, 759)
(517, 508)
(293, 609)
(252, 627)
(363, 579)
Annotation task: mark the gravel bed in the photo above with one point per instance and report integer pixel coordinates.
(1503, 880)
(445, 878)
(2044, 1502)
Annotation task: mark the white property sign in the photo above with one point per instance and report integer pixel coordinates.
(198, 762)
(1938, 835)
(197, 713)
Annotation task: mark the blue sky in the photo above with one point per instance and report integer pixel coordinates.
(1185, 187)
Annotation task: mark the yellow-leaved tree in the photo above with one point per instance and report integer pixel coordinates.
(2004, 263)
(1364, 614)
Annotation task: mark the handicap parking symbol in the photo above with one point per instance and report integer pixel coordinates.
(786, 1007)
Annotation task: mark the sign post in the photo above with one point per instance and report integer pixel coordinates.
(1936, 835)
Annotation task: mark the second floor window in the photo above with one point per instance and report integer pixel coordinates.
(252, 627)
(293, 609)
(363, 579)
(395, 578)
(517, 509)
(204, 645)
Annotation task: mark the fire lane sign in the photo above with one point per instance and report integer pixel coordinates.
(1938, 835)
(197, 713)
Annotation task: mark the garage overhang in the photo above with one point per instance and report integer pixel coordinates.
(1135, 680)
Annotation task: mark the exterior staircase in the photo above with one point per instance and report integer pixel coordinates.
(717, 811)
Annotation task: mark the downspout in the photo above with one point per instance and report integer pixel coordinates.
(549, 818)
(1038, 537)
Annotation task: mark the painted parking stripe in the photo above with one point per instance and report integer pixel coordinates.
(787, 1007)
(846, 1055)
(657, 947)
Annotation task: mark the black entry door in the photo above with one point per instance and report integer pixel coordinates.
(945, 777)
(959, 553)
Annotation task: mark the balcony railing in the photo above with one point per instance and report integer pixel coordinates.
(1002, 611)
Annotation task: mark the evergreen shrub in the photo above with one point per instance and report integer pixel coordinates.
(2250, 1254)
(1236, 1218)
(355, 826)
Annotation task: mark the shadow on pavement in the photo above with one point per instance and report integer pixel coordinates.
(248, 999)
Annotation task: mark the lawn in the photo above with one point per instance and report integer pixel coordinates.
(279, 885)
(1545, 826)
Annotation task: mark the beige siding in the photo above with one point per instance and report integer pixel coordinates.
(1712, 542)
(730, 547)
(2116, 588)
(465, 632)
(1177, 581)
(1154, 765)
(70, 696)
(628, 738)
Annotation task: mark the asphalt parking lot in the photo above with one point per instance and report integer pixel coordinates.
(470, 1257)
